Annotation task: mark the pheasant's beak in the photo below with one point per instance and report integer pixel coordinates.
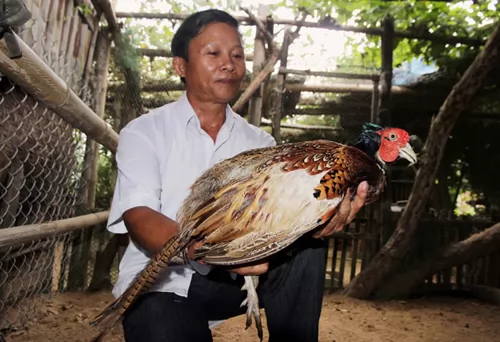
(408, 154)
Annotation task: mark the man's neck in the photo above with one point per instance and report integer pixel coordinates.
(211, 115)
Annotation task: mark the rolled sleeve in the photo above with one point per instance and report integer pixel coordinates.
(138, 180)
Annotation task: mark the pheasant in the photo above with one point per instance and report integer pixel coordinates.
(240, 210)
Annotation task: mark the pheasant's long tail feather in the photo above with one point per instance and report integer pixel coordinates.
(144, 280)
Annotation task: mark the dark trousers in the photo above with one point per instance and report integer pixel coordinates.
(291, 294)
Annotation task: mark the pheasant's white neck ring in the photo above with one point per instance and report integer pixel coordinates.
(380, 162)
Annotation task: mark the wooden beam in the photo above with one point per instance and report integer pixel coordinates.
(168, 54)
(331, 109)
(259, 51)
(33, 232)
(266, 122)
(158, 86)
(330, 74)
(109, 14)
(342, 88)
(323, 25)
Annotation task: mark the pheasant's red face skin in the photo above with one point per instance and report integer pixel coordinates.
(216, 64)
(391, 142)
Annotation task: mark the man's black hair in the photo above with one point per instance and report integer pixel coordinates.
(192, 27)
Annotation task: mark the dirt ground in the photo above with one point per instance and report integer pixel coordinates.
(64, 317)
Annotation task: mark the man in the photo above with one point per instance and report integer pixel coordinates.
(160, 155)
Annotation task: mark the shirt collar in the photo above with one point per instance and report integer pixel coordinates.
(186, 113)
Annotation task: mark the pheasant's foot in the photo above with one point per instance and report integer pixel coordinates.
(252, 303)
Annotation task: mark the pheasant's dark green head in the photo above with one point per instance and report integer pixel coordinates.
(385, 144)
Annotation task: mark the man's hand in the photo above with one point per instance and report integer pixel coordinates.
(347, 211)
(256, 269)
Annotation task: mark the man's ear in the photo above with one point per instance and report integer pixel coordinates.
(179, 65)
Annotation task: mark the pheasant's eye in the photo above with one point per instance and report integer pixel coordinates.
(392, 136)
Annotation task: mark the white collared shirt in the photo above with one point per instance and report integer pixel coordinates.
(160, 154)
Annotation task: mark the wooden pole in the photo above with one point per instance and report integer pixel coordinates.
(384, 118)
(26, 234)
(303, 127)
(168, 54)
(91, 50)
(330, 74)
(322, 25)
(386, 77)
(375, 101)
(279, 88)
(152, 86)
(32, 74)
(259, 52)
(102, 57)
(256, 82)
(107, 9)
(102, 66)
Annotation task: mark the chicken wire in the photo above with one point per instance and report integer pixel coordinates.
(42, 176)
(41, 158)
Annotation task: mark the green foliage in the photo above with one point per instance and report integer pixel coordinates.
(105, 183)
(126, 57)
(455, 18)
(85, 9)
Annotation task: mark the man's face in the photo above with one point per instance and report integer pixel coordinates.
(216, 64)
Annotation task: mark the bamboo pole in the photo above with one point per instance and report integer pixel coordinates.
(344, 88)
(88, 190)
(41, 82)
(267, 69)
(322, 25)
(23, 234)
(159, 86)
(168, 54)
(386, 51)
(279, 88)
(375, 101)
(330, 74)
(257, 98)
(107, 9)
(266, 122)
(256, 82)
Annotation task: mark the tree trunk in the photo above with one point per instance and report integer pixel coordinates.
(476, 246)
(389, 258)
(101, 279)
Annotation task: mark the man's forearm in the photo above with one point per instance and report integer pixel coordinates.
(148, 228)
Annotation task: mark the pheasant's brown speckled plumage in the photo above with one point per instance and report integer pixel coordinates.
(253, 205)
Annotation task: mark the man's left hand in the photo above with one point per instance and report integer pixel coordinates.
(347, 211)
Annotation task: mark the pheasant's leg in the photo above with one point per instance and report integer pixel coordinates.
(252, 303)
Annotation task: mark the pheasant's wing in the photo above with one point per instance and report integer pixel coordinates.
(284, 197)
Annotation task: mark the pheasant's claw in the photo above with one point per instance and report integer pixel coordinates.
(252, 303)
